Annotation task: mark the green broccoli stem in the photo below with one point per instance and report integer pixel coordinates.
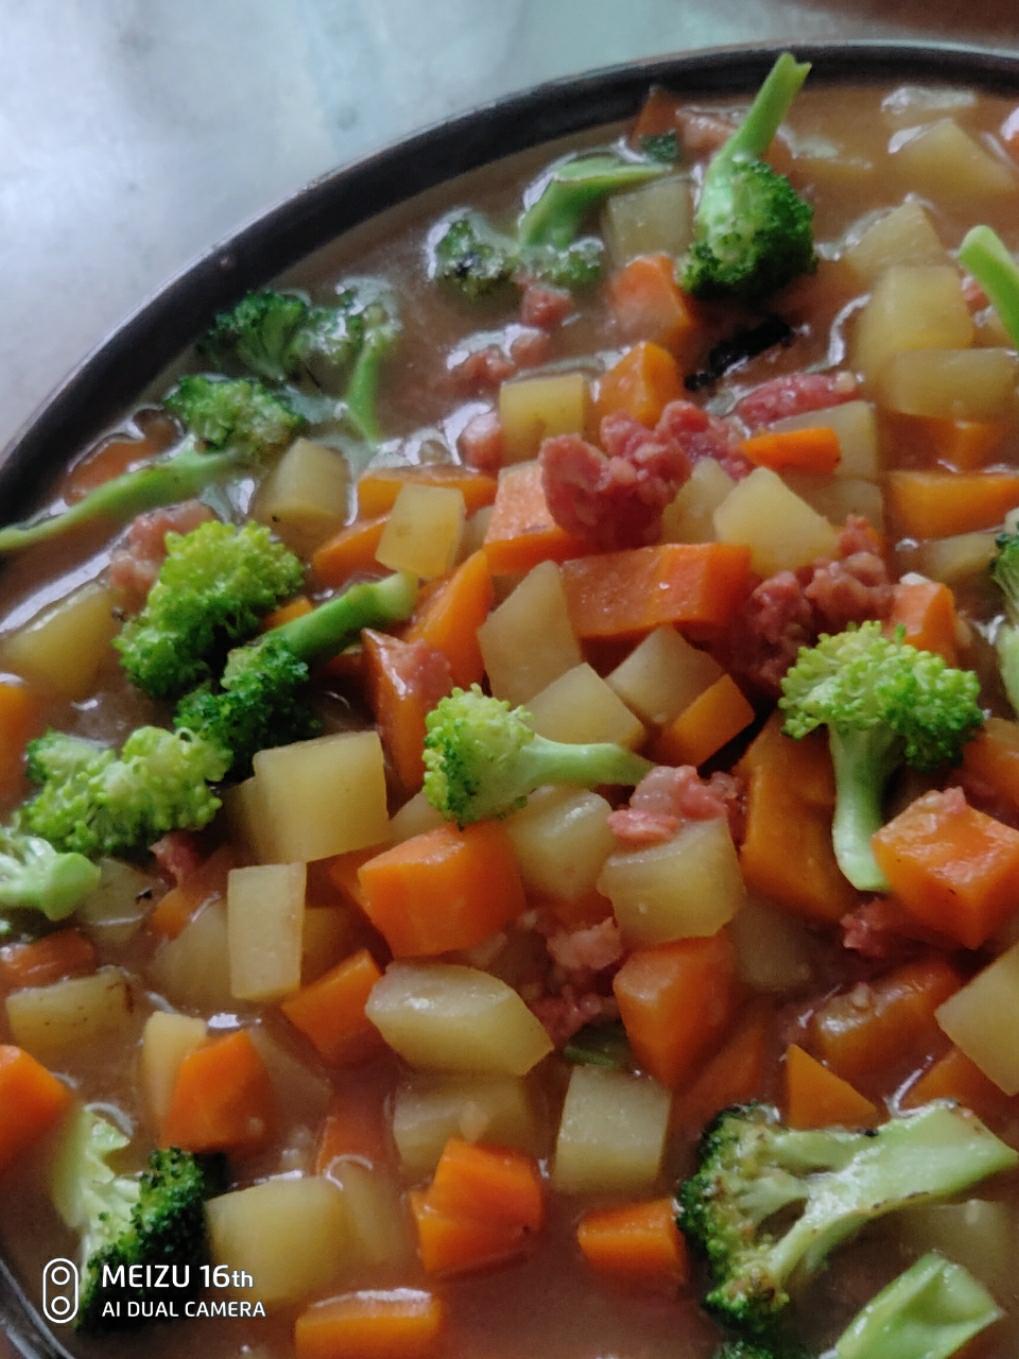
(159, 483)
(989, 260)
(1007, 644)
(863, 763)
(361, 395)
(929, 1312)
(587, 765)
(764, 117)
(558, 213)
(332, 625)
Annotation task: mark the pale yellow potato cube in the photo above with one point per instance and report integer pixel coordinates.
(562, 839)
(959, 558)
(520, 658)
(415, 817)
(980, 1020)
(688, 887)
(424, 530)
(193, 970)
(662, 675)
(113, 913)
(839, 497)
(380, 1236)
(66, 644)
(906, 235)
(612, 1133)
(782, 531)
(322, 797)
(579, 707)
(773, 950)
(303, 1091)
(690, 518)
(429, 1110)
(534, 408)
(912, 306)
(656, 218)
(325, 939)
(305, 497)
(951, 384)
(246, 816)
(443, 1017)
(290, 1236)
(855, 424)
(265, 930)
(948, 165)
(167, 1039)
(56, 1022)
(475, 530)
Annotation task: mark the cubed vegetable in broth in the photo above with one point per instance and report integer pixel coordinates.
(520, 660)
(424, 530)
(612, 1133)
(532, 409)
(906, 235)
(167, 1038)
(691, 516)
(855, 423)
(53, 1022)
(912, 306)
(561, 839)
(980, 1015)
(193, 970)
(304, 499)
(657, 217)
(951, 384)
(580, 707)
(429, 1110)
(959, 558)
(947, 164)
(415, 817)
(773, 951)
(377, 1221)
(325, 938)
(839, 497)
(662, 675)
(66, 644)
(265, 927)
(781, 529)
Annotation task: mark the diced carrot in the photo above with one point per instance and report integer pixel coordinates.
(378, 488)
(31, 1101)
(659, 114)
(649, 304)
(521, 532)
(405, 1323)
(865, 1032)
(733, 1074)
(450, 617)
(449, 1245)
(402, 685)
(966, 445)
(954, 1076)
(816, 450)
(818, 1098)
(208, 883)
(286, 613)
(676, 1001)
(638, 1243)
(625, 594)
(952, 867)
(939, 504)
(446, 889)
(20, 720)
(347, 552)
(222, 1098)
(992, 759)
(787, 855)
(925, 610)
(354, 1128)
(497, 1184)
(342, 870)
(66, 953)
(711, 721)
(641, 384)
(330, 1011)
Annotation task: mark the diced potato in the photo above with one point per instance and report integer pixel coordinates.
(114, 912)
(782, 531)
(906, 235)
(656, 218)
(57, 1021)
(579, 706)
(912, 306)
(948, 165)
(979, 1020)
(688, 887)
(475, 529)
(380, 1235)
(956, 559)
(838, 497)
(911, 105)
(424, 530)
(442, 1017)
(562, 839)
(691, 516)
(532, 409)
(521, 658)
(772, 949)
(855, 424)
(193, 970)
(325, 939)
(612, 1133)
(415, 817)
(65, 645)
(304, 499)
(978, 1234)
(265, 929)
(302, 1092)
(290, 1235)
(322, 797)
(246, 815)
(429, 1110)
(167, 1039)
(951, 384)
(663, 675)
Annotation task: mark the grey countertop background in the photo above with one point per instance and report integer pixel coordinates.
(135, 133)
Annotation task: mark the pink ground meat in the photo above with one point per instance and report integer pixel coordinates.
(480, 444)
(178, 854)
(484, 369)
(668, 797)
(544, 306)
(793, 394)
(135, 563)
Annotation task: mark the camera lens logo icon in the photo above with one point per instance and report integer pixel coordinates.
(60, 1291)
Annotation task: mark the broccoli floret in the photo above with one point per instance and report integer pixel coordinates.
(98, 802)
(261, 700)
(483, 758)
(885, 704)
(382, 331)
(278, 336)
(929, 1312)
(759, 1349)
(767, 1204)
(604, 1045)
(36, 877)
(993, 265)
(212, 589)
(154, 1218)
(662, 146)
(233, 426)
(1005, 572)
(471, 257)
(752, 231)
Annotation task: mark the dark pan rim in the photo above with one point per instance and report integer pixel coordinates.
(106, 382)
